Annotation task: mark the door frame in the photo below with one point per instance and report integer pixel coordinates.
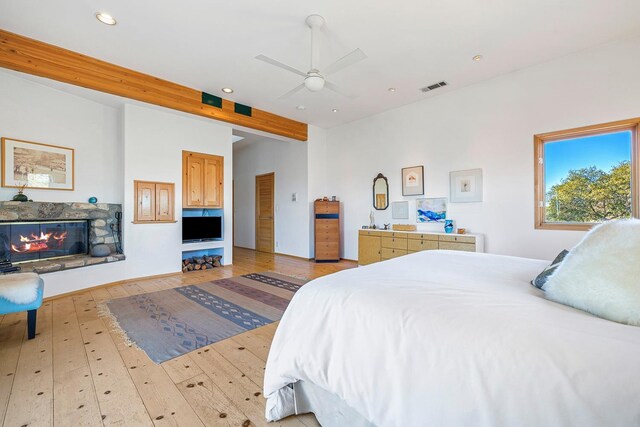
(273, 211)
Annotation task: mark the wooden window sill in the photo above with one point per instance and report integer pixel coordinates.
(154, 222)
(565, 227)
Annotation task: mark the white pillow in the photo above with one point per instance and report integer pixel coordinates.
(601, 274)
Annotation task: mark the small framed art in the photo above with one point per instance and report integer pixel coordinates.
(400, 210)
(34, 165)
(413, 181)
(465, 186)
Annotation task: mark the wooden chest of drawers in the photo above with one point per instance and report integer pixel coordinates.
(327, 231)
(380, 245)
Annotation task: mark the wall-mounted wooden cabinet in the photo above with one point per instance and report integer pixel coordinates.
(154, 202)
(202, 180)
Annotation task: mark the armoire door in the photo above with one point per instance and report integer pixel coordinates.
(213, 182)
(265, 196)
(145, 199)
(164, 202)
(194, 176)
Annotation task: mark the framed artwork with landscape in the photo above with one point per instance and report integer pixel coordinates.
(431, 210)
(413, 181)
(28, 164)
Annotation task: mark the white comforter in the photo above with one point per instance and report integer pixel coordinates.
(444, 338)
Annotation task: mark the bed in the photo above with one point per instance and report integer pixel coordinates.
(443, 338)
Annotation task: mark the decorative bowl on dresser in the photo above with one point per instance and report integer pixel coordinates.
(327, 231)
(381, 245)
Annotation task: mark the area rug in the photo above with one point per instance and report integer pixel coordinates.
(169, 323)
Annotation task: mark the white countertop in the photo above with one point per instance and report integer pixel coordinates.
(440, 233)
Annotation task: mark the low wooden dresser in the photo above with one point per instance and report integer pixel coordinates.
(380, 245)
(327, 231)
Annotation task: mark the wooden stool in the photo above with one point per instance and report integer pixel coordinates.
(22, 292)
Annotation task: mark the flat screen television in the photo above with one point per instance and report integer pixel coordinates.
(201, 228)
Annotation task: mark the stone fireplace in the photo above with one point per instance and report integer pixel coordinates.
(45, 237)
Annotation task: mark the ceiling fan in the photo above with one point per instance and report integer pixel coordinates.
(314, 80)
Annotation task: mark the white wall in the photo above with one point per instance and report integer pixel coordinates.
(289, 162)
(154, 140)
(34, 112)
(113, 146)
(490, 126)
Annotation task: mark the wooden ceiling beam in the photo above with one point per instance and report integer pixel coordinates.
(31, 56)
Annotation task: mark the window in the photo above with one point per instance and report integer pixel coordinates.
(587, 175)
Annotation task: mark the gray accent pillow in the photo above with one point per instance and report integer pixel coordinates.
(542, 278)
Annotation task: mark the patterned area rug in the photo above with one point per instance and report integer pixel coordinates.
(169, 323)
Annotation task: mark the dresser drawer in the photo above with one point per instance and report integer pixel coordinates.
(388, 253)
(331, 249)
(327, 226)
(394, 243)
(370, 233)
(423, 236)
(458, 239)
(327, 207)
(397, 234)
(453, 246)
(422, 245)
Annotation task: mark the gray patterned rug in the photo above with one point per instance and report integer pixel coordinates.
(169, 323)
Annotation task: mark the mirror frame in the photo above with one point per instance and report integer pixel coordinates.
(386, 181)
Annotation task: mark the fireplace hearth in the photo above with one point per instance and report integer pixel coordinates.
(38, 240)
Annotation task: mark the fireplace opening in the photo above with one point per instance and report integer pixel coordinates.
(32, 241)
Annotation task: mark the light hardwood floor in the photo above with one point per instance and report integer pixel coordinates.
(77, 372)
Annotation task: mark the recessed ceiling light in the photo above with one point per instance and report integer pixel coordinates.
(477, 58)
(300, 107)
(392, 89)
(335, 110)
(227, 90)
(105, 18)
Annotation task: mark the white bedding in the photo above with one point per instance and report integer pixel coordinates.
(442, 338)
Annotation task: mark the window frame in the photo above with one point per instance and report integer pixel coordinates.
(539, 142)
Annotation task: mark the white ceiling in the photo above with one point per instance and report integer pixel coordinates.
(249, 138)
(210, 44)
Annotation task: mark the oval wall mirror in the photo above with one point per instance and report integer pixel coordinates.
(380, 192)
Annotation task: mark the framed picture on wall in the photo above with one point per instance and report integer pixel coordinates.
(465, 186)
(431, 210)
(34, 165)
(400, 210)
(413, 181)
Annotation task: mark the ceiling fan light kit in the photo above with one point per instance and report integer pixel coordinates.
(314, 79)
(314, 82)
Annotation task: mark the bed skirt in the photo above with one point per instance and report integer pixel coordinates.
(303, 397)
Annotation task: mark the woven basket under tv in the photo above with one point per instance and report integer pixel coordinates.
(404, 227)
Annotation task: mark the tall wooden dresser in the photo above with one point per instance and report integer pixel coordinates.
(327, 231)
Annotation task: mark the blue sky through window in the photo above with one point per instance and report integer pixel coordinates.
(603, 151)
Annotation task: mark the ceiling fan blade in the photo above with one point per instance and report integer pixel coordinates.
(292, 91)
(349, 59)
(280, 65)
(337, 89)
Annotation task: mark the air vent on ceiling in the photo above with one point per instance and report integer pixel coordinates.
(433, 86)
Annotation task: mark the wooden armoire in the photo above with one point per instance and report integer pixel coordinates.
(327, 231)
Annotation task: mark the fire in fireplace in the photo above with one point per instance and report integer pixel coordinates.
(28, 241)
(42, 242)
